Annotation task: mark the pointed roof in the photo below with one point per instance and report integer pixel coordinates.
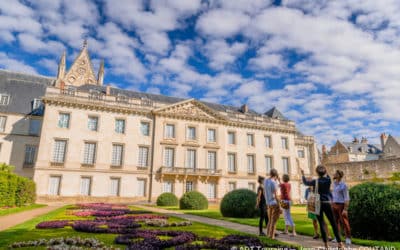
(275, 114)
(81, 71)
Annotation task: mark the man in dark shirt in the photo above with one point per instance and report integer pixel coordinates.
(261, 205)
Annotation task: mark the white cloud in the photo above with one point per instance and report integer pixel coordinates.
(32, 44)
(12, 64)
(220, 53)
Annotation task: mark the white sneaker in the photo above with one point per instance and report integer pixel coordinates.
(348, 241)
(334, 240)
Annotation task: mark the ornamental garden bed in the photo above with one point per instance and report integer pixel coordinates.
(108, 226)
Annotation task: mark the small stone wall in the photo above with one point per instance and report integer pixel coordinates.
(362, 171)
(46, 199)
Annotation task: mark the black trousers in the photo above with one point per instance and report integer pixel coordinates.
(326, 209)
(263, 217)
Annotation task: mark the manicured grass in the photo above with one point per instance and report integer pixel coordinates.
(303, 223)
(27, 231)
(12, 210)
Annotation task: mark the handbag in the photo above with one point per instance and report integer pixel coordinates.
(313, 201)
(284, 205)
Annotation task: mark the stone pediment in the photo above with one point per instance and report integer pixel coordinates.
(81, 71)
(190, 109)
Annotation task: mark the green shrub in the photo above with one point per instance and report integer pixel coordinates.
(167, 199)
(193, 200)
(239, 203)
(15, 190)
(374, 211)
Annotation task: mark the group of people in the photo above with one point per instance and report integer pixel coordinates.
(333, 204)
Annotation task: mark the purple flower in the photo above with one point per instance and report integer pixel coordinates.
(53, 224)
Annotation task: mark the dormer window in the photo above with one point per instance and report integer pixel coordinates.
(122, 98)
(95, 94)
(37, 104)
(4, 99)
(350, 149)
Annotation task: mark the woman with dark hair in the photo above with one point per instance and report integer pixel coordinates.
(324, 185)
(261, 205)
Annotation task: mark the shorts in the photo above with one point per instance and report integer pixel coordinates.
(312, 216)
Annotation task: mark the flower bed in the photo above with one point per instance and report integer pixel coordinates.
(61, 243)
(164, 223)
(91, 226)
(53, 224)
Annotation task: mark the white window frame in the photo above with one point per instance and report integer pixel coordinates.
(117, 156)
(231, 186)
(169, 131)
(268, 141)
(191, 133)
(93, 123)
(3, 122)
(54, 190)
(250, 140)
(269, 163)
(4, 99)
(37, 104)
(115, 186)
(168, 187)
(85, 185)
(143, 158)
(212, 160)
(251, 186)
(141, 184)
(189, 186)
(145, 128)
(89, 153)
(232, 135)
(251, 163)
(212, 190)
(59, 152)
(211, 135)
(191, 158)
(285, 143)
(232, 168)
(169, 157)
(30, 154)
(120, 125)
(64, 119)
(286, 169)
(301, 153)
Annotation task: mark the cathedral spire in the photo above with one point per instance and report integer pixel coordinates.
(100, 76)
(84, 45)
(61, 66)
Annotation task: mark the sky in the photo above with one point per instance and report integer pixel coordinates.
(331, 66)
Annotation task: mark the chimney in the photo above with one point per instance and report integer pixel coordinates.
(364, 140)
(355, 140)
(244, 108)
(383, 140)
(62, 85)
(108, 90)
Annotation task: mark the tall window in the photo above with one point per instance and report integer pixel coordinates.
(117, 152)
(212, 160)
(250, 164)
(268, 164)
(85, 185)
(30, 153)
(141, 187)
(300, 153)
(59, 151)
(285, 144)
(190, 158)
(268, 143)
(189, 186)
(250, 140)
(167, 187)
(231, 138)
(120, 126)
(63, 120)
(252, 186)
(191, 133)
(34, 126)
(89, 153)
(143, 156)
(285, 165)
(114, 186)
(232, 186)
(54, 185)
(3, 120)
(212, 187)
(169, 155)
(231, 162)
(93, 122)
(211, 135)
(145, 128)
(4, 99)
(169, 131)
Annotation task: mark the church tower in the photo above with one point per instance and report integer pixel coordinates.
(81, 71)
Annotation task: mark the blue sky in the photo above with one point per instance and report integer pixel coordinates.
(331, 66)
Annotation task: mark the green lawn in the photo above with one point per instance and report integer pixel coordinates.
(12, 210)
(303, 224)
(27, 230)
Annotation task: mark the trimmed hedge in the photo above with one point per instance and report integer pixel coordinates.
(167, 199)
(15, 190)
(374, 211)
(239, 203)
(193, 200)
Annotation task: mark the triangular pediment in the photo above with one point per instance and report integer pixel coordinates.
(81, 71)
(190, 109)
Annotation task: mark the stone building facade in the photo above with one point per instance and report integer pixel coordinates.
(98, 143)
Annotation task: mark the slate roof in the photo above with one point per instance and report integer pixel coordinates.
(363, 147)
(397, 138)
(275, 113)
(22, 89)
